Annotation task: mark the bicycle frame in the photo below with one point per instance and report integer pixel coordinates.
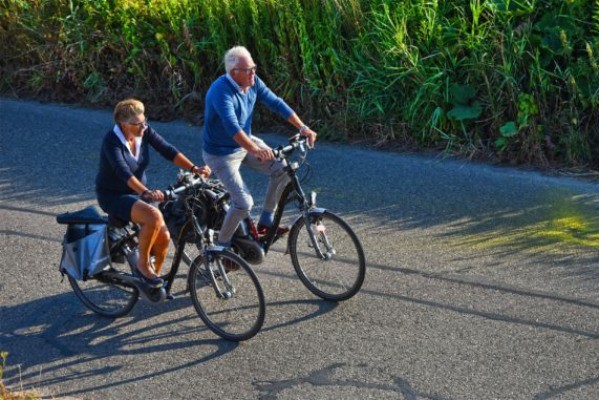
(149, 293)
(307, 207)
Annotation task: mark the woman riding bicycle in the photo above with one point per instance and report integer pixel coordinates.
(121, 182)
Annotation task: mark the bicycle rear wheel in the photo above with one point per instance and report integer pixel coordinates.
(339, 273)
(233, 305)
(104, 296)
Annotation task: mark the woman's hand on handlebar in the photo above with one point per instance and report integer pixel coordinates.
(152, 196)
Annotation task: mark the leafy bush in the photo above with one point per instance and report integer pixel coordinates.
(515, 78)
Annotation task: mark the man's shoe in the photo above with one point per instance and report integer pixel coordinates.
(281, 230)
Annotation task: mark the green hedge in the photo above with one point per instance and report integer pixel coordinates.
(513, 79)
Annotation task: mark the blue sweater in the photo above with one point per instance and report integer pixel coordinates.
(229, 110)
(117, 165)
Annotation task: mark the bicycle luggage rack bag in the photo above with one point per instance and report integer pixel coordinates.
(85, 244)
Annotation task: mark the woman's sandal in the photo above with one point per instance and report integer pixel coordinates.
(154, 282)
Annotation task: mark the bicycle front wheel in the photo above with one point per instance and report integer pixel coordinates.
(327, 256)
(232, 304)
(106, 296)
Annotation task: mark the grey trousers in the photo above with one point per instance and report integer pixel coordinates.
(226, 168)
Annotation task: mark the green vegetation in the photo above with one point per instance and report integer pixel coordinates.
(512, 79)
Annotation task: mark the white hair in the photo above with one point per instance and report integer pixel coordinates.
(233, 55)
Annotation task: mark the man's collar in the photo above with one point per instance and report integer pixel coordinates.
(232, 81)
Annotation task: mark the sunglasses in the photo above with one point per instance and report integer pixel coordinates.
(139, 124)
(247, 70)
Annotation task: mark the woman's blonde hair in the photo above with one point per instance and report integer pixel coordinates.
(127, 109)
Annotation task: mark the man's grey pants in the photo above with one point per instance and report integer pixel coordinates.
(226, 169)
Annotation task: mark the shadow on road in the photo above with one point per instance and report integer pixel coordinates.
(74, 341)
(472, 286)
(77, 338)
(561, 233)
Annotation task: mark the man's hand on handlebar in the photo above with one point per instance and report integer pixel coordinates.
(310, 136)
(263, 154)
(205, 171)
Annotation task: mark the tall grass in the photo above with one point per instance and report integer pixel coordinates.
(513, 79)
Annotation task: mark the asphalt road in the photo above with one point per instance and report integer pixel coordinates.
(482, 283)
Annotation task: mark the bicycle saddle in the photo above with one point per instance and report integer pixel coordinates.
(115, 221)
(89, 215)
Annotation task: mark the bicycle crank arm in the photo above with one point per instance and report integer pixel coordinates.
(151, 294)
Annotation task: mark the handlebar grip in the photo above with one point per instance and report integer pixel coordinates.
(145, 197)
(173, 193)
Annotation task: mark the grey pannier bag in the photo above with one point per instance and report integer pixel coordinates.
(85, 245)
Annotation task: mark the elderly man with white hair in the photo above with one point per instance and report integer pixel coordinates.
(228, 141)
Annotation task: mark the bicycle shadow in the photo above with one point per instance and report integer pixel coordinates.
(66, 335)
(55, 340)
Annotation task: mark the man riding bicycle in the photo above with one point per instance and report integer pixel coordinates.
(228, 141)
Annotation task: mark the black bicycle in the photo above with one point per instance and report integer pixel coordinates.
(325, 252)
(224, 289)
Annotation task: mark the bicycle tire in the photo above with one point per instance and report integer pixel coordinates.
(341, 274)
(237, 318)
(108, 299)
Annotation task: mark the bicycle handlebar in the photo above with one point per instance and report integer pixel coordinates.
(171, 194)
(283, 151)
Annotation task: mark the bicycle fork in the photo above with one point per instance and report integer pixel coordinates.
(314, 236)
(316, 231)
(224, 290)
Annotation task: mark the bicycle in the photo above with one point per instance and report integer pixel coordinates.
(224, 289)
(325, 252)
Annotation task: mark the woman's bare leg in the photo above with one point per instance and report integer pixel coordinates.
(151, 222)
(160, 248)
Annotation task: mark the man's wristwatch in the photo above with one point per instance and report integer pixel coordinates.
(303, 128)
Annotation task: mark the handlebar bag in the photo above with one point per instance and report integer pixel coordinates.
(174, 217)
(85, 250)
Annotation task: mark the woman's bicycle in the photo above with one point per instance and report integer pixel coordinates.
(325, 252)
(224, 289)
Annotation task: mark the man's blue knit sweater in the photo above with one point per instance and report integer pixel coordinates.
(229, 110)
